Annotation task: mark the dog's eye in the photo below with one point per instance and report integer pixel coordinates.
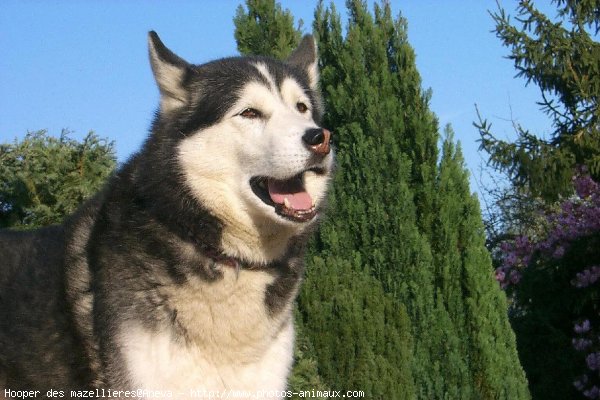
(301, 107)
(251, 113)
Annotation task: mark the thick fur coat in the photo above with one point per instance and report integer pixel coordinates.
(181, 273)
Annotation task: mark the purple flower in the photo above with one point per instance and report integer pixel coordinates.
(522, 242)
(511, 260)
(567, 207)
(585, 186)
(515, 276)
(586, 277)
(559, 252)
(505, 247)
(581, 344)
(545, 245)
(592, 393)
(500, 274)
(593, 361)
(581, 383)
(583, 327)
(577, 217)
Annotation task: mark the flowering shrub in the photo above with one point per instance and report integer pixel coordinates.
(568, 250)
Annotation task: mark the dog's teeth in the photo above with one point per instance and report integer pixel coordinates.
(286, 203)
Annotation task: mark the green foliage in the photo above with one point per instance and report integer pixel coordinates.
(562, 58)
(361, 334)
(472, 297)
(547, 309)
(44, 178)
(305, 375)
(265, 29)
(398, 216)
(399, 299)
(552, 277)
(370, 196)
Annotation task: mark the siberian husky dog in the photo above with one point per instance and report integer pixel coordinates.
(180, 275)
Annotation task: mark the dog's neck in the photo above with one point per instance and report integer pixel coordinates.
(218, 257)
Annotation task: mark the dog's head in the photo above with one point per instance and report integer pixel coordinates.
(248, 143)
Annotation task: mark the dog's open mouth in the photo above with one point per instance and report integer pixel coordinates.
(288, 197)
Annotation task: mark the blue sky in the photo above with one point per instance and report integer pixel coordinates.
(83, 65)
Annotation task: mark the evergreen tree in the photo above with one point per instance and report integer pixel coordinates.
(305, 375)
(265, 29)
(412, 225)
(372, 206)
(560, 54)
(361, 335)
(43, 178)
(562, 58)
(471, 296)
(553, 276)
(399, 298)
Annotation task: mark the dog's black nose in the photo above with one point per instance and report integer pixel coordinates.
(317, 140)
(313, 137)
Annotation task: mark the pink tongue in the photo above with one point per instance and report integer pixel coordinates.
(293, 190)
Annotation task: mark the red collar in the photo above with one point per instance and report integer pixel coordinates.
(218, 257)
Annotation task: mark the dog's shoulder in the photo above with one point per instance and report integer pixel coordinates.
(34, 319)
(24, 253)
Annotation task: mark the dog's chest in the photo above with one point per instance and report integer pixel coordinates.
(229, 340)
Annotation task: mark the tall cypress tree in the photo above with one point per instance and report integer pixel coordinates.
(372, 205)
(399, 298)
(471, 295)
(413, 225)
(265, 29)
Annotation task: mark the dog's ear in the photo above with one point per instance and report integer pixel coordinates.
(169, 71)
(305, 57)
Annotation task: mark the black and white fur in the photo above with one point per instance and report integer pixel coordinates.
(177, 275)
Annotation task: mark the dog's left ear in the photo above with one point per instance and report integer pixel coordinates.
(305, 57)
(169, 71)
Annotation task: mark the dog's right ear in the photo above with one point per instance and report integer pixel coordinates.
(306, 57)
(169, 71)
